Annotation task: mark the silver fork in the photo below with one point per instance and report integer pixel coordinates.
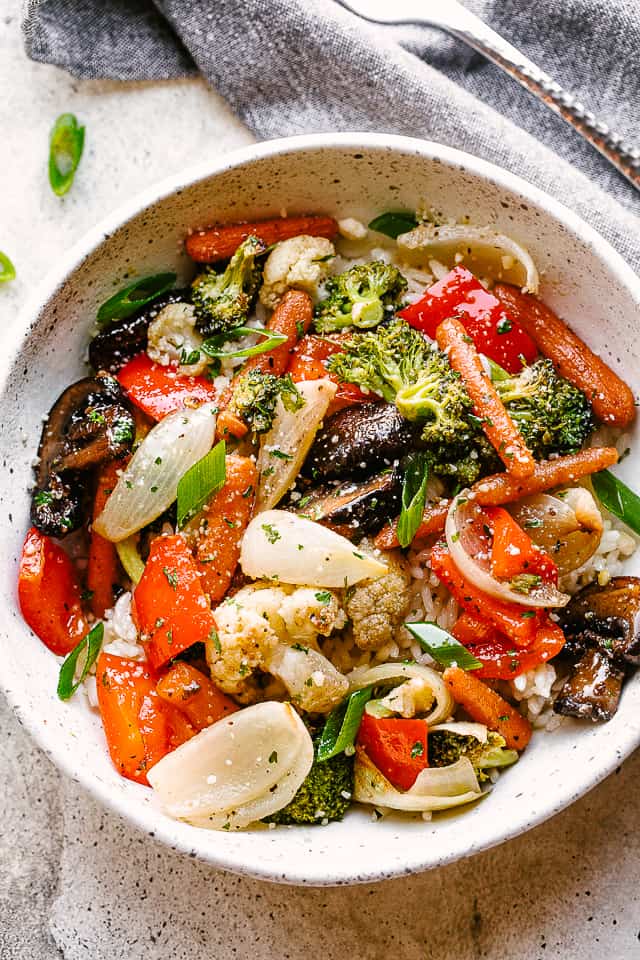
(451, 16)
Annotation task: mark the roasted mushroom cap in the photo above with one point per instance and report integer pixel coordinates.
(89, 424)
(602, 627)
(358, 441)
(121, 341)
(353, 509)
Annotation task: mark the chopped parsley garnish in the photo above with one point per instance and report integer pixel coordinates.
(172, 577)
(273, 757)
(417, 750)
(271, 533)
(324, 596)
(504, 325)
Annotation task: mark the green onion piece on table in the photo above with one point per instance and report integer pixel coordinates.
(200, 482)
(135, 296)
(7, 269)
(393, 224)
(618, 498)
(66, 144)
(342, 725)
(414, 497)
(91, 643)
(213, 346)
(442, 646)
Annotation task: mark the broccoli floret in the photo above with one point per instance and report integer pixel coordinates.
(255, 396)
(446, 747)
(552, 415)
(325, 794)
(361, 296)
(223, 300)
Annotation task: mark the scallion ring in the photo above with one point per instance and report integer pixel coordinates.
(65, 150)
(7, 269)
(204, 479)
(91, 643)
(135, 296)
(213, 346)
(442, 646)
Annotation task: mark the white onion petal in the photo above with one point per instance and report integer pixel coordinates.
(568, 526)
(242, 768)
(443, 705)
(279, 545)
(483, 250)
(284, 447)
(475, 565)
(436, 788)
(149, 483)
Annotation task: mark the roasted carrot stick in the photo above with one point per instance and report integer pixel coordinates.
(497, 424)
(610, 397)
(219, 243)
(486, 706)
(433, 520)
(216, 534)
(502, 488)
(292, 317)
(194, 695)
(102, 566)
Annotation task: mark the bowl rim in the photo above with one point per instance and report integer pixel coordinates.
(334, 873)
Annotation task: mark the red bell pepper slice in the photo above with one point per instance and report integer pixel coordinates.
(493, 331)
(500, 660)
(159, 390)
(519, 623)
(49, 594)
(397, 747)
(308, 362)
(171, 608)
(513, 552)
(134, 718)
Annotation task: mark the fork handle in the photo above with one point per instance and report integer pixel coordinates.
(473, 31)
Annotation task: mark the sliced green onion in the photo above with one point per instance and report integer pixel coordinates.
(200, 482)
(130, 558)
(213, 346)
(342, 724)
(137, 295)
(618, 499)
(414, 497)
(7, 269)
(65, 149)
(91, 643)
(394, 223)
(496, 372)
(442, 646)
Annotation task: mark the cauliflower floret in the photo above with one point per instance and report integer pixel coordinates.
(258, 619)
(173, 337)
(352, 229)
(308, 612)
(376, 608)
(301, 262)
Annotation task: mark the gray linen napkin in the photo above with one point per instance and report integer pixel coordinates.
(297, 66)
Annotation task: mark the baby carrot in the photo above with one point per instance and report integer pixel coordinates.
(497, 424)
(486, 706)
(221, 242)
(610, 397)
(102, 565)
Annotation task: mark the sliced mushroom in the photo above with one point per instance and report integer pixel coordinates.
(606, 617)
(592, 691)
(89, 424)
(354, 509)
(358, 441)
(121, 341)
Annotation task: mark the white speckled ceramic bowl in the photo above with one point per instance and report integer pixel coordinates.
(350, 174)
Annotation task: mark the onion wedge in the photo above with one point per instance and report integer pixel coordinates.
(568, 524)
(483, 251)
(436, 788)
(470, 557)
(284, 547)
(242, 768)
(284, 447)
(442, 705)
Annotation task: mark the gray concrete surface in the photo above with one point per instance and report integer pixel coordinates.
(76, 882)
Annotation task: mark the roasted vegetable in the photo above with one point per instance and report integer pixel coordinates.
(118, 343)
(223, 300)
(88, 425)
(552, 415)
(325, 794)
(362, 296)
(357, 441)
(592, 690)
(255, 395)
(446, 747)
(353, 509)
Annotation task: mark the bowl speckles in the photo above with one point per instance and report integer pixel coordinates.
(345, 174)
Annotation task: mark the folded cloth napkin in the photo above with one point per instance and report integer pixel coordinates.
(299, 66)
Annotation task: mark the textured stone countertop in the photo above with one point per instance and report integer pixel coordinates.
(77, 882)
